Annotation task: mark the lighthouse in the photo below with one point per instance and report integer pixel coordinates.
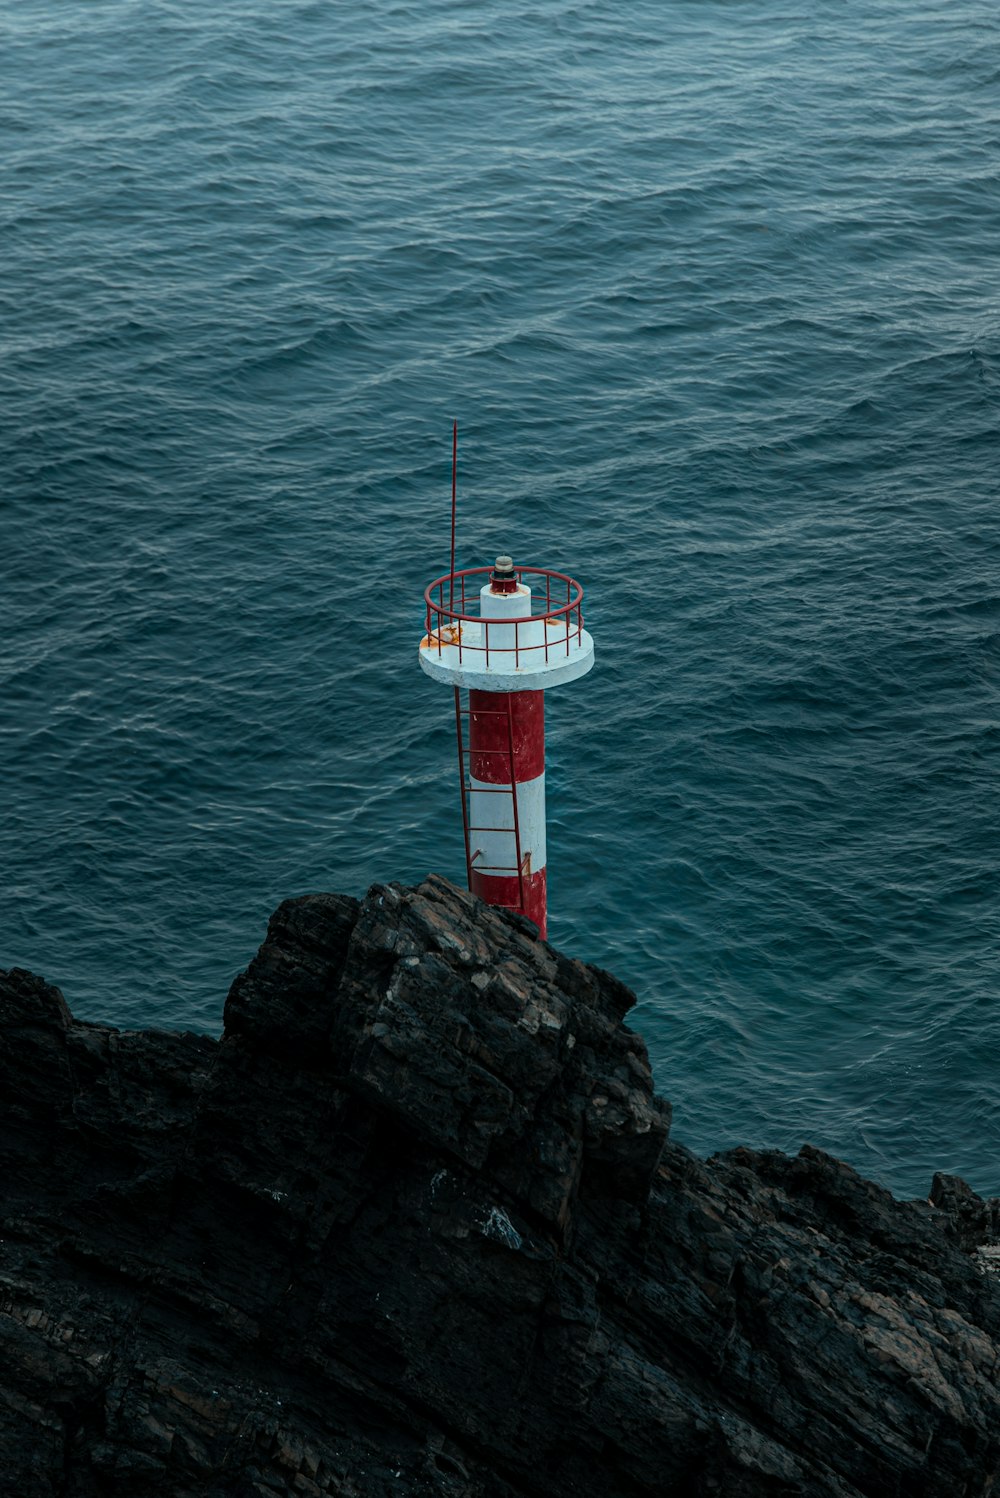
(504, 635)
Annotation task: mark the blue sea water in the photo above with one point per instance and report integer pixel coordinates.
(713, 290)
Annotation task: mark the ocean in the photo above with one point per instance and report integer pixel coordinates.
(713, 292)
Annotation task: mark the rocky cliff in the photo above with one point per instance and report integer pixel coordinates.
(414, 1226)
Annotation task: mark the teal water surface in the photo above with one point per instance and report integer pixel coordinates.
(711, 289)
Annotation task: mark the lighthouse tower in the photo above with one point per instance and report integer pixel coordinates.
(505, 634)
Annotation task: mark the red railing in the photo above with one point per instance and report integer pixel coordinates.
(562, 619)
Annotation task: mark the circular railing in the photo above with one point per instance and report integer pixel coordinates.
(453, 620)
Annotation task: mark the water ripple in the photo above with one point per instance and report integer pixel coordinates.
(711, 291)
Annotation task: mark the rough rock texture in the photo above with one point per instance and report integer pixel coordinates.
(414, 1227)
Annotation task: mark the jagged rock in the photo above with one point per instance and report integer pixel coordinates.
(415, 1226)
(976, 1220)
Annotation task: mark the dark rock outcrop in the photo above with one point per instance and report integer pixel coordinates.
(414, 1226)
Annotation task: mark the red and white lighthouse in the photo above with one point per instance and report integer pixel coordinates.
(506, 635)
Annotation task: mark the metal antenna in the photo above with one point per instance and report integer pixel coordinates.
(454, 492)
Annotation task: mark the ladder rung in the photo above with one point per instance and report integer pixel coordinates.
(499, 868)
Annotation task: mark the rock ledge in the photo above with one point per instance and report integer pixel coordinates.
(415, 1226)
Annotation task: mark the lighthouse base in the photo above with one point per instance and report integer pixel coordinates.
(526, 895)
